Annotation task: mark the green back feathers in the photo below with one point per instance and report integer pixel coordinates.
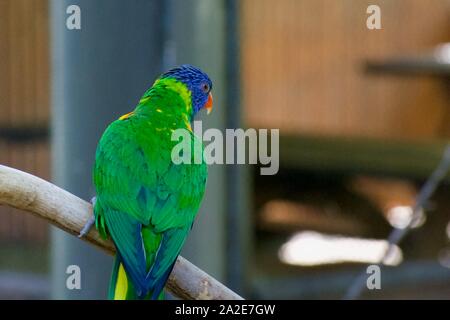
(145, 202)
(168, 94)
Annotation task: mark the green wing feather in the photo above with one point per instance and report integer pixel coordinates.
(145, 202)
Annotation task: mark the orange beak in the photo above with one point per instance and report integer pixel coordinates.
(209, 104)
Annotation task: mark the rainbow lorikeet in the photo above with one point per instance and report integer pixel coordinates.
(144, 201)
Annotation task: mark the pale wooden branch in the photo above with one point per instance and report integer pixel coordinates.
(68, 212)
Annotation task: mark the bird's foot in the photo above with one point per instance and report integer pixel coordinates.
(89, 223)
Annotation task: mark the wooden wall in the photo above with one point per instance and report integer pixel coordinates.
(302, 68)
(24, 103)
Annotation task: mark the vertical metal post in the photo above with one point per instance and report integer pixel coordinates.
(98, 73)
(200, 40)
(237, 176)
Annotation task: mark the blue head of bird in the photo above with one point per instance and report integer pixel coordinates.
(198, 83)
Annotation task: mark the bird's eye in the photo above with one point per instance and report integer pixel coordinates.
(205, 88)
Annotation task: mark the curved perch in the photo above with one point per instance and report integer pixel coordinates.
(68, 212)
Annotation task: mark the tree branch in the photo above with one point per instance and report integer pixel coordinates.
(68, 212)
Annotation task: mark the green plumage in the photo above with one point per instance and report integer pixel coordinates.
(145, 202)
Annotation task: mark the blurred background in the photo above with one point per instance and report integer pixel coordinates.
(363, 118)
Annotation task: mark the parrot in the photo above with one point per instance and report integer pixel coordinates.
(145, 202)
